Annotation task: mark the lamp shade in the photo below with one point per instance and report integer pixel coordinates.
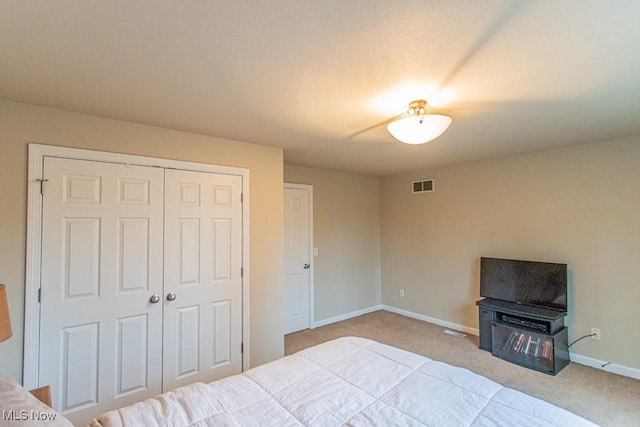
(419, 129)
(5, 321)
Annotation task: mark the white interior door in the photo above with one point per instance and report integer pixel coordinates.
(297, 268)
(203, 283)
(100, 336)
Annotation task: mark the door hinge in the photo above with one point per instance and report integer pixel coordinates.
(42, 181)
(241, 271)
(241, 347)
(241, 197)
(39, 294)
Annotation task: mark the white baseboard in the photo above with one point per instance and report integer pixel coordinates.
(346, 316)
(614, 368)
(433, 320)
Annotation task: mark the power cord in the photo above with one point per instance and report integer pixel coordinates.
(581, 338)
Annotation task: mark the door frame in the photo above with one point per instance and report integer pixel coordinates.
(312, 254)
(37, 153)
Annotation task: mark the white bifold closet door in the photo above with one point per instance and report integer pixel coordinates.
(203, 253)
(141, 282)
(102, 239)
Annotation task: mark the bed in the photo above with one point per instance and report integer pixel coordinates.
(349, 381)
(20, 408)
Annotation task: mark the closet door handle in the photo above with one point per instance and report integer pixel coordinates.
(306, 266)
(154, 299)
(171, 296)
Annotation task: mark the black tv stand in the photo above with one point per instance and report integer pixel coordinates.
(531, 336)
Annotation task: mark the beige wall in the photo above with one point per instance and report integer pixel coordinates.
(578, 205)
(347, 234)
(23, 123)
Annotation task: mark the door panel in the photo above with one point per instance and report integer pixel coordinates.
(203, 260)
(133, 254)
(297, 258)
(81, 264)
(222, 254)
(102, 238)
(80, 349)
(221, 327)
(131, 341)
(188, 341)
(189, 250)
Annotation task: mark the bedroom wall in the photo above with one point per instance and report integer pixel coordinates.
(579, 205)
(346, 222)
(23, 123)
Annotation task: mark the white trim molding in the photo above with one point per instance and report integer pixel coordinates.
(402, 312)
(614, 368)
(433, 320)
(347, 316)
(37, 153)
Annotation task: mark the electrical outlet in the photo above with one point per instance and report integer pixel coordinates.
(401, 293)
(595, 334)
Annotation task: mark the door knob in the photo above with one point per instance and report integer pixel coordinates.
(307, 266)
(154, 299)
(171, 296)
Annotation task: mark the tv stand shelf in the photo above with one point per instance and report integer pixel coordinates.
(534, 337)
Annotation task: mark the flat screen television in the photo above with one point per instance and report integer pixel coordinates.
(540, 284)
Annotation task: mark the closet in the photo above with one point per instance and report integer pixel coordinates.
(141, 286)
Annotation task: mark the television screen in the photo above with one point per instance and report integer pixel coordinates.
(524, 282)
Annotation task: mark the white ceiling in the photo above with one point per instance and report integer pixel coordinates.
(315, 77)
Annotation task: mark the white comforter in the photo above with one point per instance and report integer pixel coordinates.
(348, 381)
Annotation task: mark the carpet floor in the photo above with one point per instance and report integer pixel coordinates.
(604, 398)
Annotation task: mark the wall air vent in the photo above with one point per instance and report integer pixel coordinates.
(425, 186)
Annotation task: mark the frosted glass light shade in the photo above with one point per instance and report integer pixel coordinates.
(419, 129)
(5, 321)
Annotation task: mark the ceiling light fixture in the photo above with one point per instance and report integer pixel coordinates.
(418, 127)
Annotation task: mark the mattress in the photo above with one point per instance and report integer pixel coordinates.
(346, 382)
